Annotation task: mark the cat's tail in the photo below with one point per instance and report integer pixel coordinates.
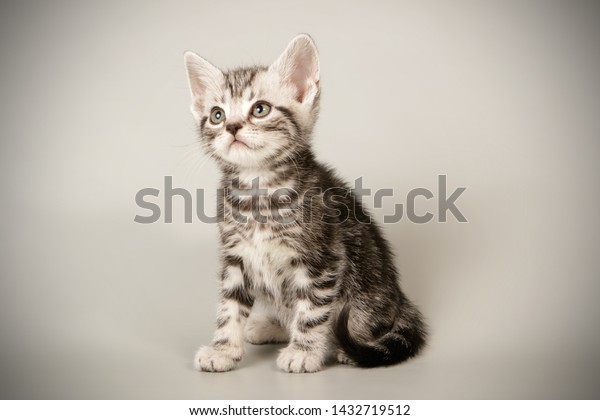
(405, 339)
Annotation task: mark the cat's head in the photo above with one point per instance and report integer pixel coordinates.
(257, 116)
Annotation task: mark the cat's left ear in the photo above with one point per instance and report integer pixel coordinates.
(298, 66)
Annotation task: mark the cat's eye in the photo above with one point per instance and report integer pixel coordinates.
(217, 115)
(261, 109)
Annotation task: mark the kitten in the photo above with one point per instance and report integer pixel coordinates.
(308, 267)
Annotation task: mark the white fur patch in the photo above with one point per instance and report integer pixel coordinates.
(263, 256)
(262, 331)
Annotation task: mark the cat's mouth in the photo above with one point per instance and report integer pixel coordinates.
(238, 143)
(235, 143)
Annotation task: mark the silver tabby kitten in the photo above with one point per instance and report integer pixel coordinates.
(301, 261)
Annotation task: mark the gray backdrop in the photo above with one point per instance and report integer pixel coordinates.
(502, 97)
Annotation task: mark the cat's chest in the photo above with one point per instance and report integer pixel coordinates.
(267, 254)
(257, 228)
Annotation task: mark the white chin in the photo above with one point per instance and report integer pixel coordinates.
(242, 156)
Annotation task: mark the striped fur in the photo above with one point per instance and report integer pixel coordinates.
(302, 262)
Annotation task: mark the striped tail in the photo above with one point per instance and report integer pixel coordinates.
(403, 341)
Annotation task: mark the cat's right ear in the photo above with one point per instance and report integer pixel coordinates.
(203, 78)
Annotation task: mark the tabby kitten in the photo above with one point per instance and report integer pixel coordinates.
(301, 261)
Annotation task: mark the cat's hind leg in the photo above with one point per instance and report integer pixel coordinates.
(264, 328)
(342, 358)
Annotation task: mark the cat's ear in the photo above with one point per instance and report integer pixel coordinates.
(203, 78)
(298, 66)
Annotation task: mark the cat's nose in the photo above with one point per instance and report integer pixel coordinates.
(233, 128)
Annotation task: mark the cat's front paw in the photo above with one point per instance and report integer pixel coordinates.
(210, 359)
(299, 361)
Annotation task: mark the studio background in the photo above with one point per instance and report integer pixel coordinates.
(502, 97)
